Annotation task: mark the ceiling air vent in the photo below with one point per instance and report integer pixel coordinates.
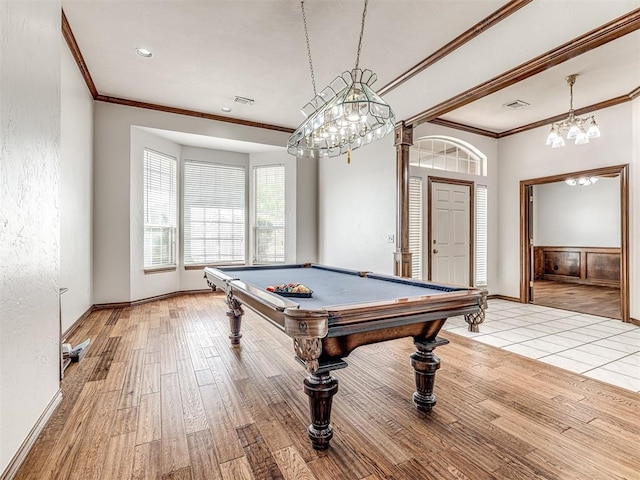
(516, 104)
(243, 100)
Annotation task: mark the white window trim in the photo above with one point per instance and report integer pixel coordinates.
(171, 264)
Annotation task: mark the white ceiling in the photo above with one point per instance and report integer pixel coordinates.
(207, 52)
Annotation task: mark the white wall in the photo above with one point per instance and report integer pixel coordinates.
(145, 285)
(576, 216)
(112, 190)
(306, 210)
(525, 156)
(357, 208)
(29, 216)
(76, 192)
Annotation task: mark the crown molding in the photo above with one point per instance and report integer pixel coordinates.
(496, 17)
(604, 34)
(579, 111)
(67, 33)
(595, 38)
(540, 123)
(77, 55)
(463, 127)
(190, 113)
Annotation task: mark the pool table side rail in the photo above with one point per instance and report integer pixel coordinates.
(443, 287)
(269, 305)
(357, 273)
(449, 304)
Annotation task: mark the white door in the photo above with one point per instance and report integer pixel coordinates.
(450, 235)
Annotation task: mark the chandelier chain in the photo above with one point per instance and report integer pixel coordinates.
(364, 14)
(306, 35)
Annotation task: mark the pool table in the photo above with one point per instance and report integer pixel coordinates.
(347, 309)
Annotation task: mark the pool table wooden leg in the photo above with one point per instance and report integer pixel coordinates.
(234, 313)
(425, 363)
(320, 387)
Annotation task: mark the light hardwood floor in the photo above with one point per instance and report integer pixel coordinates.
(162, 395)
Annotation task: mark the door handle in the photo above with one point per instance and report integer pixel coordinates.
(435, 250)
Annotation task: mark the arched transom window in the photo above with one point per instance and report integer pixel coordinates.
(448, 154)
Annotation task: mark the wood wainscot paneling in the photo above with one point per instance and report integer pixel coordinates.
(585, 265)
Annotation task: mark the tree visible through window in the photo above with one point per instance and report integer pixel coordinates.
(269, 201)
(159, 209)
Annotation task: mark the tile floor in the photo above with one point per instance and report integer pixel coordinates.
(597, 347)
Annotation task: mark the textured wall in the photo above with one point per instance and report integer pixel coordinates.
(29, 216)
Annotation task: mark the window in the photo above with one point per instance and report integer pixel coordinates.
(159, 210)
(214, 213)
(448, 154)
(481, 235)
(415, 226)
(268, 188)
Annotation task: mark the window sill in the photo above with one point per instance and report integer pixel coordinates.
(214, 265)
(172, 268)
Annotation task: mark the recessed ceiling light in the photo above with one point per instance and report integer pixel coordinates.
(143, 52)
(225, 109)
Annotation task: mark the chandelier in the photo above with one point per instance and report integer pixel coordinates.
(574, 128)
(345, 115)
(582, 181)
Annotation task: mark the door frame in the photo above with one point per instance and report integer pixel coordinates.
(472, 217)
(525, 230)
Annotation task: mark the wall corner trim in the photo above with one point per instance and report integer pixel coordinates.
(31, 438)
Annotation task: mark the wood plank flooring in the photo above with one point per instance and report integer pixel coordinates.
(601, 301)
(162, 395)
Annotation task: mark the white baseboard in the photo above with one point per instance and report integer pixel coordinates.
(27, 445)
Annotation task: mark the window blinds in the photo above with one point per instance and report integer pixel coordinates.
(214, 213)
(269, 194)
(415, 226)
(481, 235)
(159, 209)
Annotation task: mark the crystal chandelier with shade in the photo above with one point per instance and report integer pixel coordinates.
(574, 128)
(345, 115)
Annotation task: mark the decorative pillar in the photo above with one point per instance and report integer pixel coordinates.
(402, 256)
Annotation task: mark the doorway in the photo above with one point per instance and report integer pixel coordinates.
(575, 277)
(450, 234)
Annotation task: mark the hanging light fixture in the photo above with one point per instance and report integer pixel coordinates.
(582, 181)
(579, 129)
(345, 115)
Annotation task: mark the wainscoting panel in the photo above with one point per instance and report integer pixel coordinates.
(585, 265)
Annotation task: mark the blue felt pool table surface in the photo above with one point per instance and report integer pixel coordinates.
(336, 287)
